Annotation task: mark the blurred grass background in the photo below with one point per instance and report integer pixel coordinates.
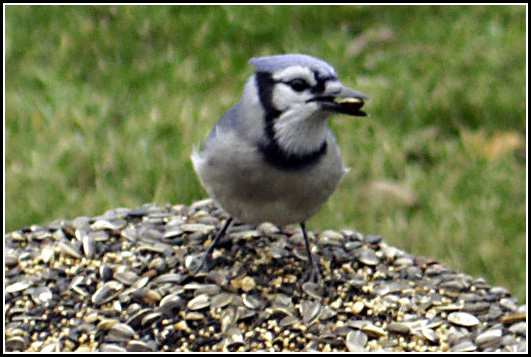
(104, 103)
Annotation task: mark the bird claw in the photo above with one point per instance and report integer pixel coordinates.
(203, 266)
(206, 261)
(313, 273)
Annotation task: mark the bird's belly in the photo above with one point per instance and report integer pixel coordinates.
(254, 194)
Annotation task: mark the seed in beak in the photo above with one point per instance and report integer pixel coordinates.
(349, 105)
(350, 100)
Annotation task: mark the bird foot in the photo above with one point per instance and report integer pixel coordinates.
(204, 265)
(313, 273)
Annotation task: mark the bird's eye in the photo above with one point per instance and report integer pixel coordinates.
(298, 84)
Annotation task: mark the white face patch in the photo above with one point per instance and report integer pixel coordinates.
(294, 72)
(285, 97)
(301, 126)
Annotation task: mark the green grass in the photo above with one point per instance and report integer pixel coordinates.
(104, 103)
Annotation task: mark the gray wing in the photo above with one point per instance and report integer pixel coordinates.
(228, 121)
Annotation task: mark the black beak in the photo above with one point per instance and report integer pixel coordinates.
(347, 101)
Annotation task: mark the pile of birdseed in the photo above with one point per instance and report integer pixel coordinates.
(122, 282)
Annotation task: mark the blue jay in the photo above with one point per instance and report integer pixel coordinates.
(272, 157)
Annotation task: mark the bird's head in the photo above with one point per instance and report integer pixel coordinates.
(288, 99)
(304, 85)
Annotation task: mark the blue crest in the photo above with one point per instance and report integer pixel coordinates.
(272, 64)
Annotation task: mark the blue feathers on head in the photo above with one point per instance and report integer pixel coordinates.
(272, 64)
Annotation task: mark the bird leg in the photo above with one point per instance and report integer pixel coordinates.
(313, 271)
(206, 261)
